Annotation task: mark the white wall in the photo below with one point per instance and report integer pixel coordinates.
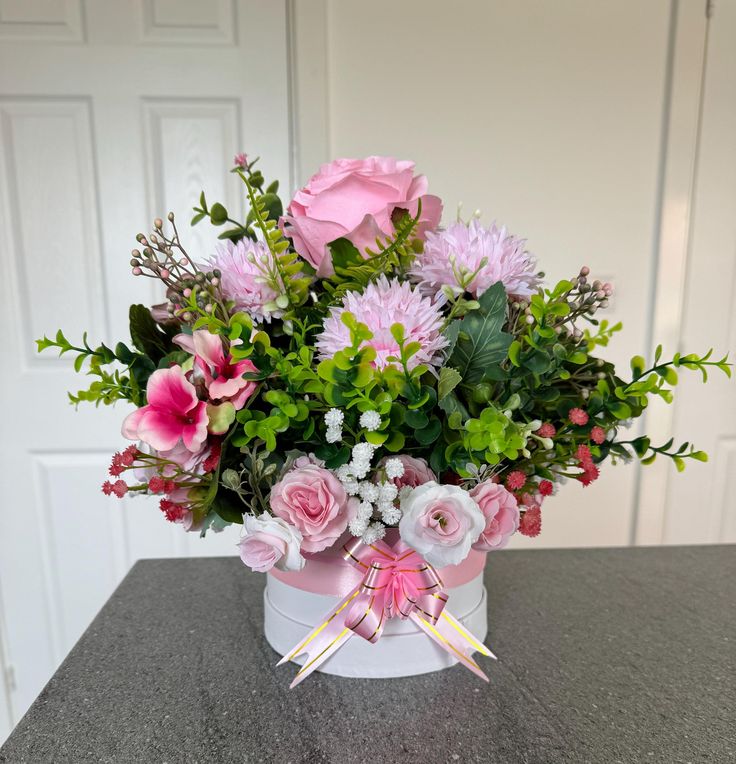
(574, 123)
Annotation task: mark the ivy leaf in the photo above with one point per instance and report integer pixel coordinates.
(484, 343)
(449, 379)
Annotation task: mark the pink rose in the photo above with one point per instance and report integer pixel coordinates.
(416, 471)
(313, 499)
(501, 512)
(441, 522)
(269, 541)
(355, 198)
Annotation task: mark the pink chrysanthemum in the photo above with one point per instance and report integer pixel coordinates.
(471, 258)
(382, 304)
(248, 277)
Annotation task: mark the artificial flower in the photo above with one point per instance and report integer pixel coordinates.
(501, 512)
(269, 542)
(223, 376)
(248, 277)
(313, 500)
(470, 258)
(383, 304)
(173, 414)
(416, 471)
(441, 522)
(355, 199)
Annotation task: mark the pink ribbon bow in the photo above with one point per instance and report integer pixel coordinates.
(397, 582)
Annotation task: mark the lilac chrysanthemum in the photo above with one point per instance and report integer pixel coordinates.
(382, 304)
(471, 258)
(248, 277)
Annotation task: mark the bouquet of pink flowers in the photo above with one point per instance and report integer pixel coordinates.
(351, 366)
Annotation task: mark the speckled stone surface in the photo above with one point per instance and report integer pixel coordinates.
(605, 656)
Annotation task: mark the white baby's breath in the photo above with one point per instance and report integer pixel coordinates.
(370, 420)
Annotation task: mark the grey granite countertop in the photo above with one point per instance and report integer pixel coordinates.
(612, 655)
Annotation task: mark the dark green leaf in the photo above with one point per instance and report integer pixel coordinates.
(486, 343)
(147, 336)
(218, 214)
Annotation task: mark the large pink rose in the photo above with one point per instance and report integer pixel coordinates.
(312, 499)
(355, 198)
(501, 511)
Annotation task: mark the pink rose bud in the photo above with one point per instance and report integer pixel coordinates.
(501, 511)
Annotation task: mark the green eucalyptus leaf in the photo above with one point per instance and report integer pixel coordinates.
(218, 214)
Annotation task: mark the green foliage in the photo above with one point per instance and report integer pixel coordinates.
(111, 386)
(150, 338)
(494, 434)
(354, 270)
(478, 342)
(510, 366)
(291, 270)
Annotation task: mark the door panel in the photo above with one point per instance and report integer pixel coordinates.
(111, 114)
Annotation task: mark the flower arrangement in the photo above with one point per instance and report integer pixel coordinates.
(350, 366)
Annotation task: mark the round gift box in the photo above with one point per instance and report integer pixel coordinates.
(296, 602)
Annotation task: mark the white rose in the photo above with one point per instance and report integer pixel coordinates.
(441, 522)
(270, 541)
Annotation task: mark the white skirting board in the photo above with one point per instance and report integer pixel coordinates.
(402, 650)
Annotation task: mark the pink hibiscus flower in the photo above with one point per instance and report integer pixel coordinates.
(222, 376)
(173, 413)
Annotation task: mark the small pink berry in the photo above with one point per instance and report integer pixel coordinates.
(531, 522)
(546, 488)
(578, 416)
(137, 271)
(547, 430)
(598, 435)
(515, 480)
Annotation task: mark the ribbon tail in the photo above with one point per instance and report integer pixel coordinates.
(453, 637)
(323, 640)
(313, 663)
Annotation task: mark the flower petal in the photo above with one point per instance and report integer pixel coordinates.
(170, 390)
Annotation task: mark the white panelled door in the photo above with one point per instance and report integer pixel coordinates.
(111, 113)
(701, 509)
